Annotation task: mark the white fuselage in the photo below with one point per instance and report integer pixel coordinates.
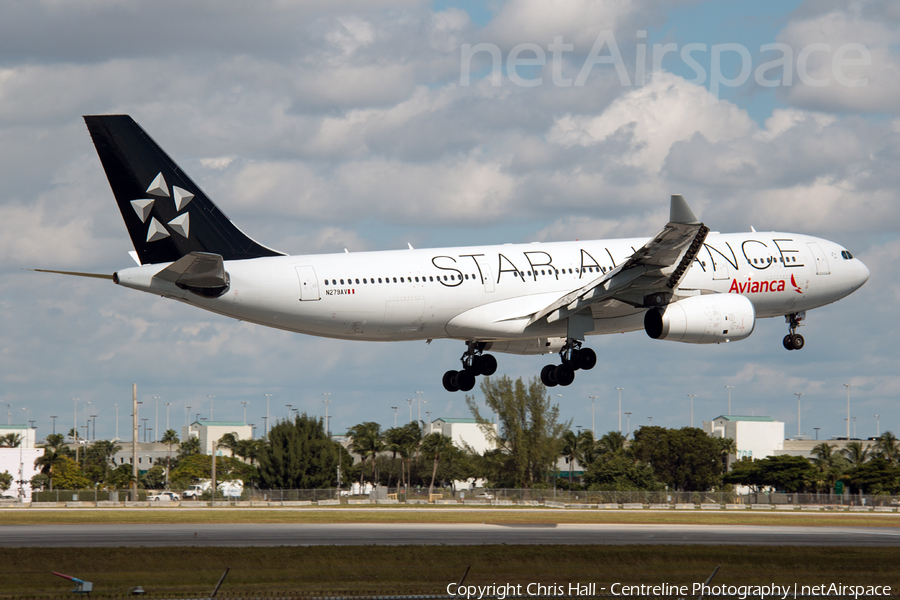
(488, 293)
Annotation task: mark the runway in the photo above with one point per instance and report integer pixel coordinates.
(243, 535)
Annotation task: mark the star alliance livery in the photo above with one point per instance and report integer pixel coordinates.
(684, 284)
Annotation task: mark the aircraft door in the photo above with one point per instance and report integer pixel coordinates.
(485, 273)
(821, 260)
(309, 283)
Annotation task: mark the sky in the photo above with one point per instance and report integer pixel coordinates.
(366, 125)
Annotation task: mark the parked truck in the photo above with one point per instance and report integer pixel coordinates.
(228, 489)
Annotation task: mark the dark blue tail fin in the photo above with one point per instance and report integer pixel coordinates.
(167, 214)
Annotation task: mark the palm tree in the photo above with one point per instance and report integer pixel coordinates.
(169, 438)
(727, 447)
(587, 448)
(433, 446)
(10, 440)
(828, 462)
(856, 454)
(188, 447)
(611, 443)
(229, 441)
(569, 449)
(53, 457)
(365, 440)
(393, 438)
(888, 447)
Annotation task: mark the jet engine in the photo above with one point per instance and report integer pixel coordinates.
(709, 319)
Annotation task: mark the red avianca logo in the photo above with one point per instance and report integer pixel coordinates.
(757, 287)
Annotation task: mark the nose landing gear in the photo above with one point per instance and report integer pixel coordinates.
(573, 357)
(475, 363)
(793, 340)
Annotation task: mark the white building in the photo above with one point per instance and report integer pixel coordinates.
(755, 437)
(463, 432)
(210, 432)
(26, 433)
(19, 462)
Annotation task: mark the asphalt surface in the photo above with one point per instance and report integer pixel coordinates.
(236, 535)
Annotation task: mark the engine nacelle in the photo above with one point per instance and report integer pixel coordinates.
(709, 319)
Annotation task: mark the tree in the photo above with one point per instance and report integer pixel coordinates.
(298, 455)
(611, 443)
(876, 475)
(529, 432)
(365, 441)
(50, 460)
(829, 464)
(189, 447)
(855, 453)
(569, 450)
(686, 459)
(727, 447)
(5, 481)
(10, 440)
(434, 445)
(229, 441)
(169, 438)
(587, 448)
(69, 476)
(98, 458)
(617, 472)
(888, 447)
(784, 473)
(393, 442)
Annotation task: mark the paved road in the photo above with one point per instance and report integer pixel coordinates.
(406, 533)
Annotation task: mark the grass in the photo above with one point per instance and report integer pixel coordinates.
(438, 515)
(285, 571)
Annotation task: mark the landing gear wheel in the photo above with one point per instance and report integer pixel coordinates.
(547, 375)
(487, 364)
(796, 341)
(787, 342)
(586, 358)
(572, 359)
(449, 381)
(465, 380)
(564, 375)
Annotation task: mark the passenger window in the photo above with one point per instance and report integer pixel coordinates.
(357, 282)
(395, 280)
(430, 278)
(379, 281)
(342, 282)
(401, 280)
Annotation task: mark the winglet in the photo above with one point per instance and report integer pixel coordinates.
(680, 212)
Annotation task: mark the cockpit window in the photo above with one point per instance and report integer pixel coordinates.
(846, 255)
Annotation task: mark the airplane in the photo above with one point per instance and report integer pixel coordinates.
(684, 284)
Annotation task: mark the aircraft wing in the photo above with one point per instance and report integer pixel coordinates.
(649, 275)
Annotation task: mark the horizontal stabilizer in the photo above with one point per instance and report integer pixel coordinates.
(75, 273)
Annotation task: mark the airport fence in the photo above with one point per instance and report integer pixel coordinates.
(381, 494)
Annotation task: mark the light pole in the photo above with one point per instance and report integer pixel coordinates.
(211, 398)
(410, 400)
(268, 396)
(650, 419)
(289, 407)
(620, 408)
(395, 416)
(419, 397)
(94, 427)
(75, 428)
(877, 426)
(817, 432)
(847, 385)
(156, 422)
(593, 427)
(9, 414)
(54, 423)
(188, 415)
(730, 387)
(326, 402)
(854, 427)
(117, 421)
(692, 396)
(627, 423)
(798, 394)
(145, 428)
(245, 403)
(168, 404)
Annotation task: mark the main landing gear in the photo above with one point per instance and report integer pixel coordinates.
(573, 357)
(793, 340)
(475, 363)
